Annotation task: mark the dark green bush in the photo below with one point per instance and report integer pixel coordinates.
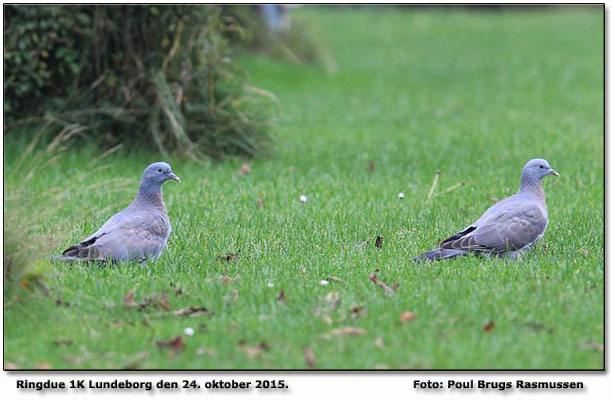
(161, 75)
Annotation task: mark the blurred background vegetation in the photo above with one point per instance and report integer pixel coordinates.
(138, 75)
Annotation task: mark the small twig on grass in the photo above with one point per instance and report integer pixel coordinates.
(455, 186)
(433, 187)
(388, 290)
(344, 331)
(309, 357)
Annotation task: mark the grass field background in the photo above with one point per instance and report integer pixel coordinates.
(474, 95)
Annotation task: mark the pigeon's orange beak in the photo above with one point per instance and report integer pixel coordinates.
(555, 173)
(172, 176)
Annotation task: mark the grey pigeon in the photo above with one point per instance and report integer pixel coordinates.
(509, 228)
(137, 233)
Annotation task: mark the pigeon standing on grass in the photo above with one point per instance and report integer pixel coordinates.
(509, 228)
(137, 233)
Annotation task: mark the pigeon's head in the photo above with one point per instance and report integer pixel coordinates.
(538, 168)
(158, 173)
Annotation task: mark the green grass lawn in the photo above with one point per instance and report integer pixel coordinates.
(473, 95)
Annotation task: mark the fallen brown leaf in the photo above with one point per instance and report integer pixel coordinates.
(389, 291)
(378, 342)
(176, 345)
(225, 279)
(327, 319)
(538, 326)
(62, 342)
(408, 316)
(309, 357)
(490, 325)
(191, 311)
(371, 166)
(379, 241)
(362, 245)
(344, 331)
(10, 365)
(128, 300)
(61, 303)
(254, 352)
(202, 351)
(260, 204)
(135, 361)
(593, 345)
(358, 310)
(43, 365)
(116, 323)
(158, 300)
(333, 300)
(281, 297)
(245, 169)
(228, 257)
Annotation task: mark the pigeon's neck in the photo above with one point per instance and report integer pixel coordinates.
(532, 186)
(151, 195)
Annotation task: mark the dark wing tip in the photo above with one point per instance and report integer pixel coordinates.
(457, 236)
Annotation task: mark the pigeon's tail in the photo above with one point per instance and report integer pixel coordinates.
(439, 254)
(85, 250)
(78, 251)
(82, 252)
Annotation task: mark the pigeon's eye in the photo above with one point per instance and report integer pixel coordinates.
(159, 170)
(541, 166)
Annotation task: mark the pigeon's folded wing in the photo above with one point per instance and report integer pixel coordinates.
(108, 225)
(137, 235)
(512, 227)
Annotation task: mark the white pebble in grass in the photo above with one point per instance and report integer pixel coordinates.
(401, 195)
(324, 282)
(270, 284)
(303, 198)
(188, 331)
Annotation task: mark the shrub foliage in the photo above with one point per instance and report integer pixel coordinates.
(161, 75)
